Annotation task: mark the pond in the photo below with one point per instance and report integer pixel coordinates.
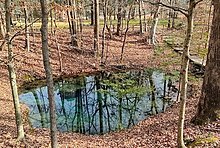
(98, 104)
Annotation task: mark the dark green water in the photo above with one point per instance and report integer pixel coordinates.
(101, 103)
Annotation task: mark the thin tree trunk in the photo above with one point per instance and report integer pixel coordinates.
(51, 20)
(184, 74)
(209, 20)
(27, 36)
(96, 28)
(169, 19)
(58, 47)
(48, 70)
(154, 25)
(140, 16)
(170, 14)
(119, 17)
(80, 18)
(125, 36)
(145, 22)
(12, 74)
(32, 28)
(92, 13)
(105, 2)
(72, 23)
(173, 19)
(2, 31)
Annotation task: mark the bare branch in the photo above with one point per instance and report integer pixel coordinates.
(19, 32)
(197, 2)
(181, 10)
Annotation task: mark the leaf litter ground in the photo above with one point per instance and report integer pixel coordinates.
(156, 131)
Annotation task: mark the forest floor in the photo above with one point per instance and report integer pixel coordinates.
(156, 131)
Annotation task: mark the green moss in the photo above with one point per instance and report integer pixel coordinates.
(204, 140)
(28, 78)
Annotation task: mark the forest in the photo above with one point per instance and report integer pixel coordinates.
(110, 73)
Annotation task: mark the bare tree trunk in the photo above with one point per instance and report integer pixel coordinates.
(184, 73)
(105, 10)
(32, 28)
(209, 20)
(126, 31)
(140, 16)
(58, 47)
(51, 20)
(96, 28)
(209, 103)
(173, 19)
(2, 31)
(27, 36)
(80, 26)
(145, 22)
(119, 17)
(72, 22)
(170, 12)
(169, 19)
(48, 70)
(154, 25)
(92, 13)
(12, 74)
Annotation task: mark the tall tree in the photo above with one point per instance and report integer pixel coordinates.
(209, 103)
(96, 28)
(12, 74)
(105, 11)
(185, 63)
(27, 38)
(126, 31)
(71, 13)
(119, 17)
(92, 13)
(48, 70)
(2, 30)
(140, 15)
(184, 73)
(154, 24)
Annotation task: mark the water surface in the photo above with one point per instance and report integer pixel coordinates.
(97, 104)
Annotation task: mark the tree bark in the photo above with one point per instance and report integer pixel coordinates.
(51, 19)
(12, 74)
(119, 17)
(105, 10)
(208, 30)
(72, 23)
(48, 70)
(126, 31)
(27, 36)
(2, 30)
(154, 25)
(92, 13)
(209, 103)
(58, 47)
(140, 16)
(96, 28)
(184, 73)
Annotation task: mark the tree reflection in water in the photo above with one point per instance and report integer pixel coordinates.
(101, 103)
